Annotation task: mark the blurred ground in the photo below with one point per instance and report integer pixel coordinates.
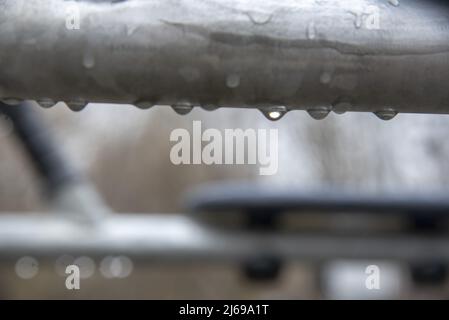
(163, 282)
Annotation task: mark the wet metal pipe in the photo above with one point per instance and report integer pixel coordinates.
(177, 238)
(383, 56)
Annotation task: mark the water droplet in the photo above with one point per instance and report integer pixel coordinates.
(46, 103)
(386, 114)
(86, 266)
(233, 81)
(341, 107)
(116, 267)
(210, 107)
(326, 78)
(27, 267)
(88, 60)
(130, 29)
(358, 18)
(182, 108)
(189, 74)
(394, 2)
(311, 31)
(259, 18)
(358, 21)
(30, 41)
(76, 105)
(274, 113)
(61, 264)
(319, 113)
(143, 104)
(12, 101)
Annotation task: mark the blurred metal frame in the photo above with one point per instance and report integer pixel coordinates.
(180, 239)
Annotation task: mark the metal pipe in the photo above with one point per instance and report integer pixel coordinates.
(359, 55)
(176, 238)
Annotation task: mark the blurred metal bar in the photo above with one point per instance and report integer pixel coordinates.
(45, 155)
(176, 238)
(357, 55)
(67, 189)
(222, 198)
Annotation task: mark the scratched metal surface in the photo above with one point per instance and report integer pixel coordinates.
(272, 55)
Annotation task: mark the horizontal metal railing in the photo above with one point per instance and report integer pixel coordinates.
(361, 55)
